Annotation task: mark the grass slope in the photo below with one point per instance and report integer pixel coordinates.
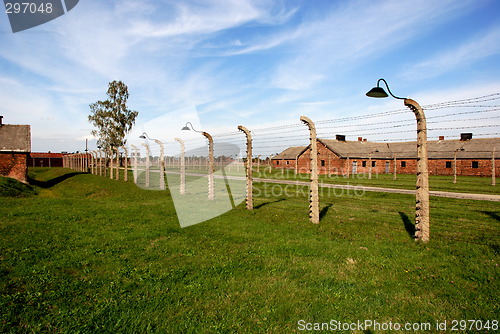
(12, 188)
(93, 255)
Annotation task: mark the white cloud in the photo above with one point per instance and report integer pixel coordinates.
(200, 18)
(361, 29)
(476, 49)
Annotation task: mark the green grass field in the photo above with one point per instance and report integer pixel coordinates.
(84, 254)
(465, 184)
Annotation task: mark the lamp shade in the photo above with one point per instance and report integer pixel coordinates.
(377, 92)
(185, 128)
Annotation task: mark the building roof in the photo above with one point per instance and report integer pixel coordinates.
(45, 155)
(478, 148)
(290, 153)
(15, 138)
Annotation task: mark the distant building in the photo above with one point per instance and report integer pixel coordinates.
(46, 159)
(289, 157)
(341, 157)
(15, 147)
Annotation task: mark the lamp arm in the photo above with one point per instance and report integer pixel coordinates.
(388, 89)
(192, 127)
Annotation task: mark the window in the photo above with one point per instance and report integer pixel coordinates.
(374, 163)
(322, 163)
(287, 162)
(403, 164)
(448, 164)
(277, 162)
(363, 163)
(475, 164)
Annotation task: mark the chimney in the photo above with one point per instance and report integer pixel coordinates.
(465, 136)
(340, 137)
(1, 123)
(360, 138)
(441, 137)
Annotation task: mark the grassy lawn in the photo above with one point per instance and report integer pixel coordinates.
(466, 184)
(85, 254)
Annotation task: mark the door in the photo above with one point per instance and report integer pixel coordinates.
(354, 167)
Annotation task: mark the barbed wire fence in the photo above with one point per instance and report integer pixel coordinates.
(445, 122)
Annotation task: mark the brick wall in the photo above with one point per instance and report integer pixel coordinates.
(285, 163)
(14, 165)
(45, 162)
(330, 163)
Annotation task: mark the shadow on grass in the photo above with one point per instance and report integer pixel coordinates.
(266, 203)
(409, 226)
(492, 214)
(324, 211)
(52, 182)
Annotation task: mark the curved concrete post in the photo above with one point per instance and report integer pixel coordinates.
(394, 176)
(370, 166)
(271, 163)
(182, 183)
(455, 167)
(125, 173)
(93, 162)
(249, 187)
(211, 170)
(148, 153)
(422, 213)
(136, 155)
(111, 171)
(313, 167)
(117, 167)
(100, 162)
(493, 172)
(162, 164)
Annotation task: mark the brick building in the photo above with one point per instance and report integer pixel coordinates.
(15, 147)
(340, 157)
(288, 158)
(45, 159)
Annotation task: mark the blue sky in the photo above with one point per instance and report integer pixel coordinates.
(257, 63)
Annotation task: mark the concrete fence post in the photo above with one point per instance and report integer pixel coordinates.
(136, 156)
(313, 168)
(92, 162)
(211, 170)
(117, 176)
(111, 164)
(249, 185)
(422, 207)
(455, 167)
(271, 163)
(370, 166)
(125, 165)
(148, 153)
(394, 176)
(182, 181)
(162, 164)
(348, 168)
(493, 176)
(100, 162)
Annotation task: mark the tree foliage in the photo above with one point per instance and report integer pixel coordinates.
(111, 117)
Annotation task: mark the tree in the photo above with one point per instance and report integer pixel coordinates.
(112, 118)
